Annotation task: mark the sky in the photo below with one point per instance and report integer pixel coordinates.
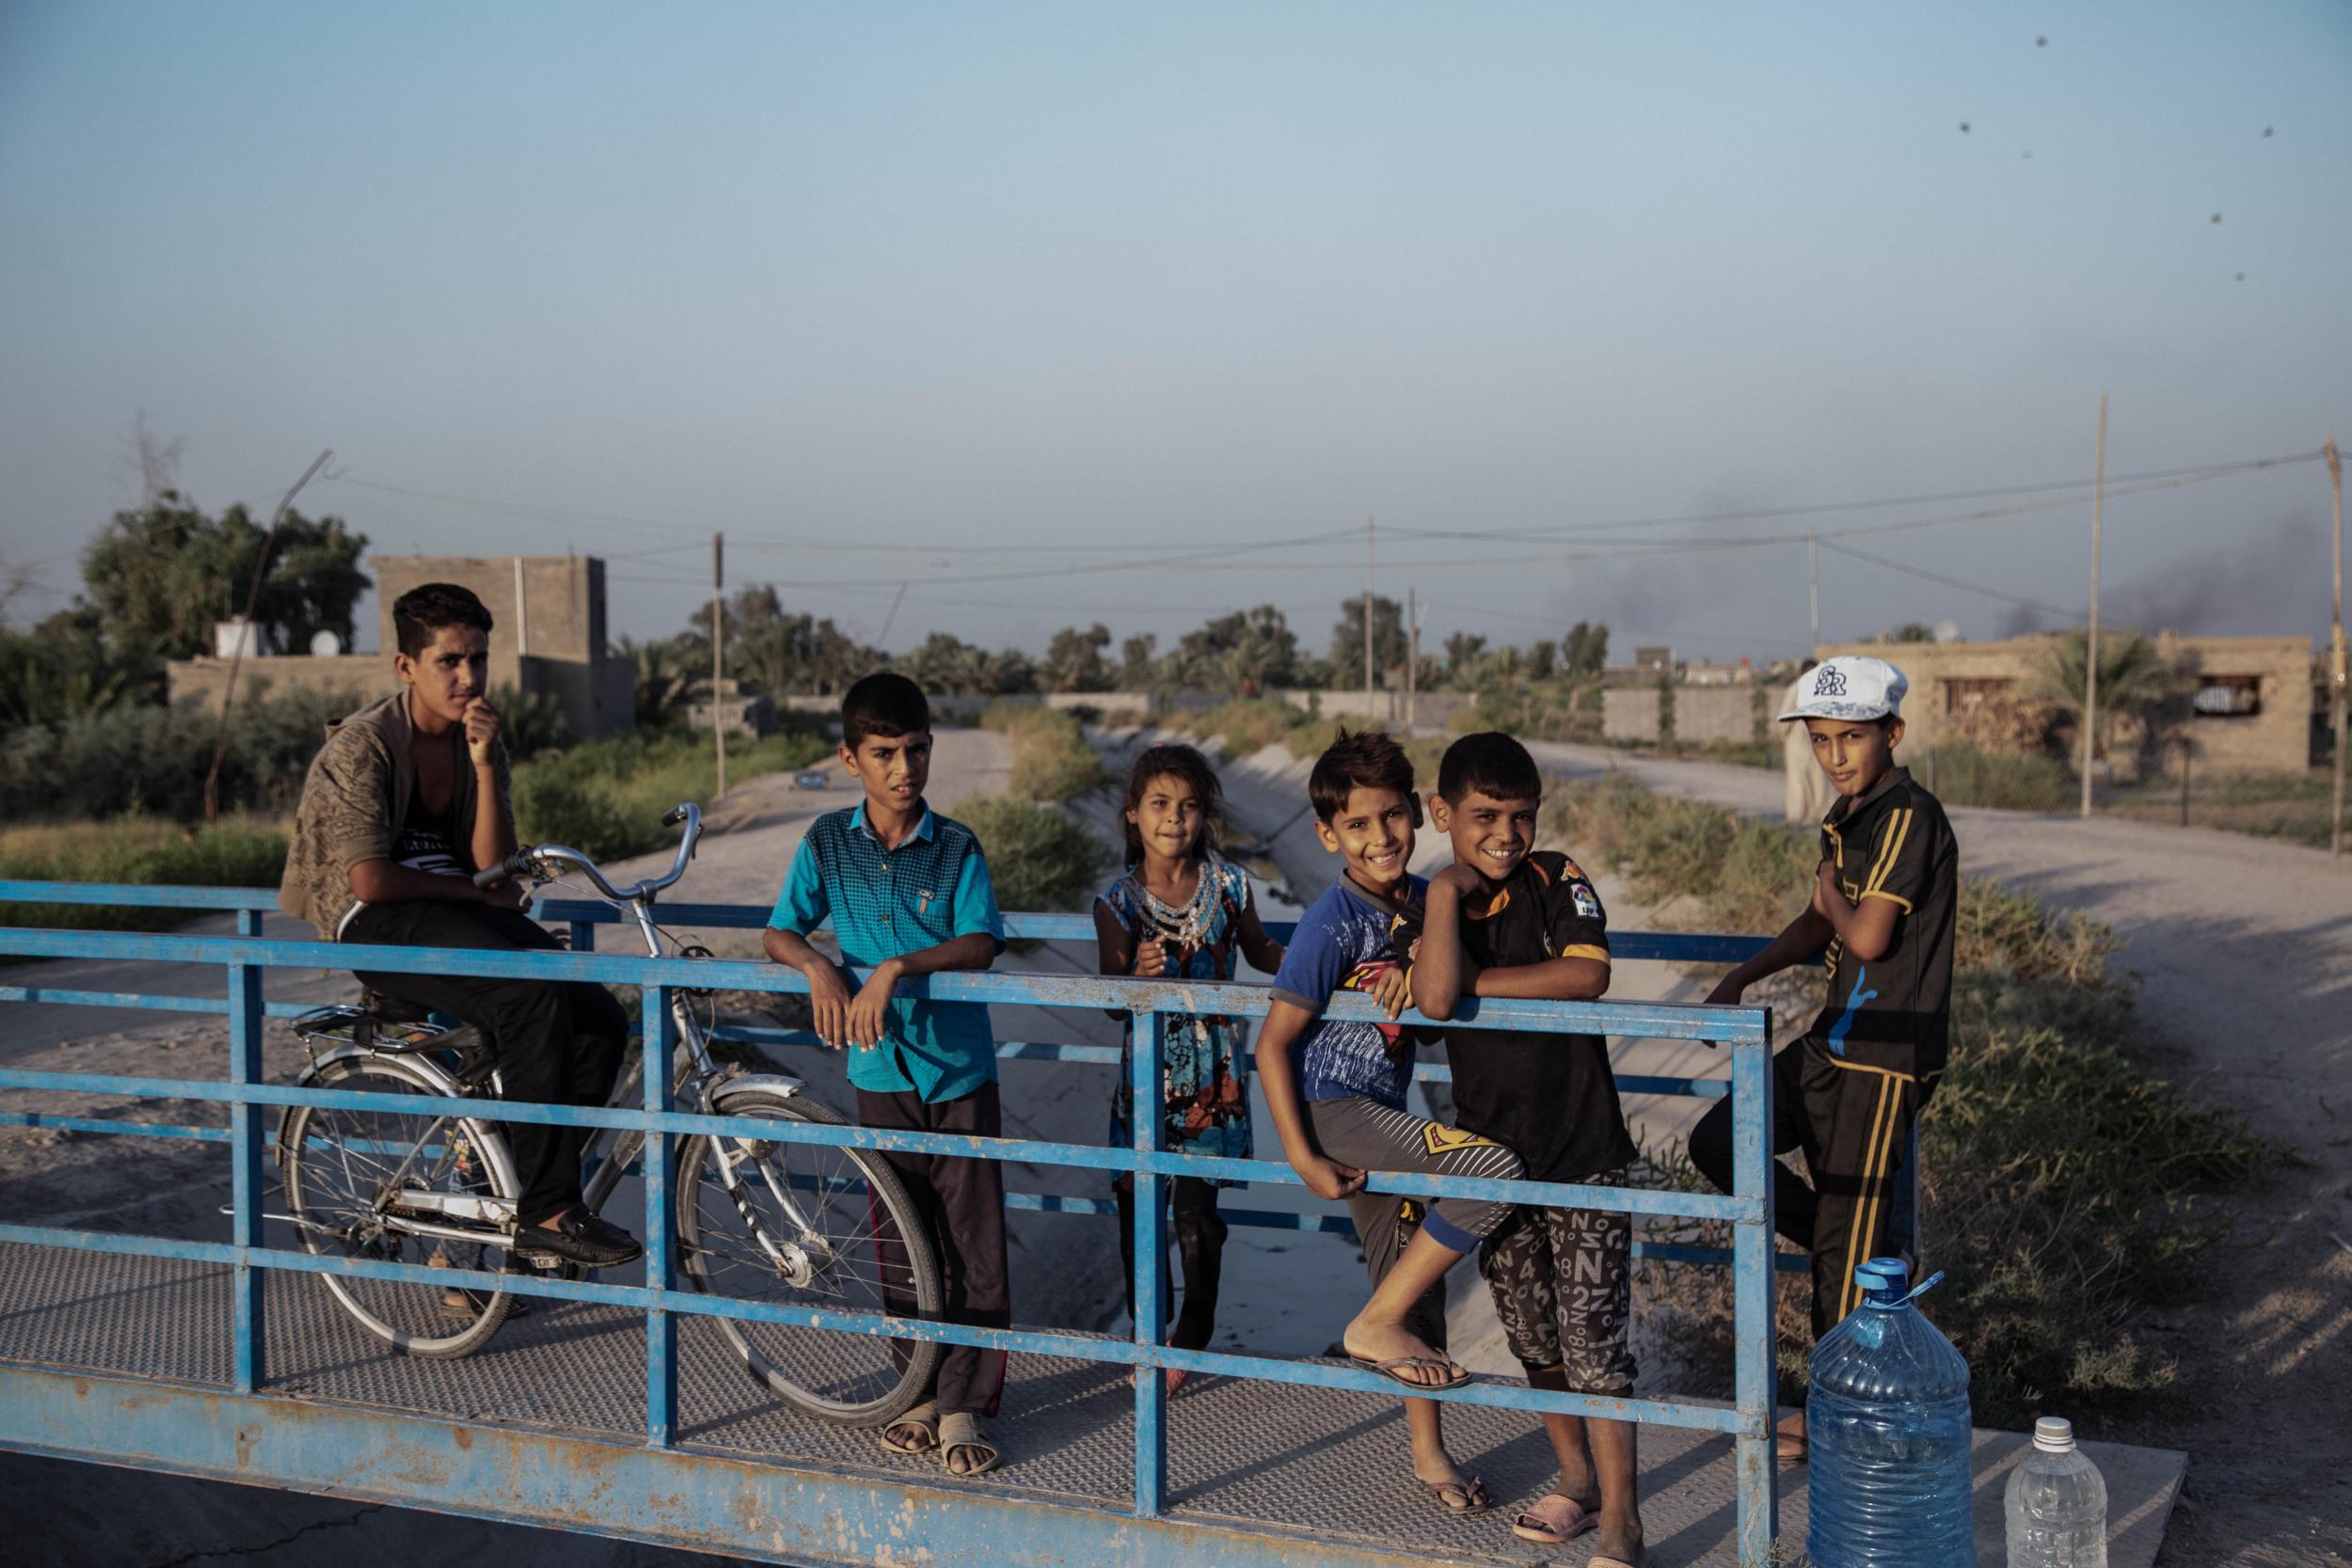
(1062, 314)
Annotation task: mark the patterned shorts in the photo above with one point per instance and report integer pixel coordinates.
(1563, 1286)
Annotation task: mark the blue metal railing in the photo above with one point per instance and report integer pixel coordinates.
(246, 958)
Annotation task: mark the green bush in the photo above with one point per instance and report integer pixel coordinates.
(152, 760)
(2010, 781)
(1249, 724)
(1039, 856)
(234, 852)
(1051, 758)
(606, 797)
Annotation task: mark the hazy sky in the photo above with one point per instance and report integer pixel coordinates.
(1061, 288)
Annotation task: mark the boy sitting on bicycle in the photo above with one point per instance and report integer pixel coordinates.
(409, 798)
(908, 893)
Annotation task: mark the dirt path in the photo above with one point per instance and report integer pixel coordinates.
(2243, 947)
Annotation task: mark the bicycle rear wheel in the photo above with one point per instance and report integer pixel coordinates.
(809, 1224)
(341, 1168)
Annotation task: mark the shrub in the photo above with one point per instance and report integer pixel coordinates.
(1051, 758)
(1249, 724)
(2010, 781)
(1039, 856)
(606, 797)
(234, 852)
(153, 759)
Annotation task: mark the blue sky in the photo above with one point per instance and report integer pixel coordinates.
(1034, 288)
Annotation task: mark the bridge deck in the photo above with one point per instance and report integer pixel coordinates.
(1280, 1460)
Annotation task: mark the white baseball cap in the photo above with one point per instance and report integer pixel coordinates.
(1852, 685)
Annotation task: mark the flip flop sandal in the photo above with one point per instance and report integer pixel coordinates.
(1542, 1522)
(923, 1419)
(471, 1302)
(1393, 1369)
(961, 1431)
(1641, 1559)
(1472, 1492)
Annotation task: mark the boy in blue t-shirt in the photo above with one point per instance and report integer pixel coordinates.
(909, 893)
(1336, 1092)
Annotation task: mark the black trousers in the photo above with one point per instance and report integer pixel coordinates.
(1853, 1121)
(1200, 1232)
(559, 1043)
(961, 1202)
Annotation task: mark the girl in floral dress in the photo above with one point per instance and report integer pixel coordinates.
(1180, 912)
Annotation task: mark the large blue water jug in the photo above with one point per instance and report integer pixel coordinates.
(1886, 1418)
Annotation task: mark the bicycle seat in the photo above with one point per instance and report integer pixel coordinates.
(392, 1009)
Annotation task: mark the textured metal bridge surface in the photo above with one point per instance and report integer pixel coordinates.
(1285, 1461)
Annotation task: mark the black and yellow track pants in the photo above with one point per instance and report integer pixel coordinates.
(1853, 1121)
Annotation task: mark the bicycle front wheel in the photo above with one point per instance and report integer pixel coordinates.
(353, 1177)
(813, 1226)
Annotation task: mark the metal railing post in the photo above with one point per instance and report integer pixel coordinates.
(660, 1327)
(249, 1139)
(1150, 1277)
(1756, 1377)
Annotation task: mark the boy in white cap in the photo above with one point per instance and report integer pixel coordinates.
(1881, 922)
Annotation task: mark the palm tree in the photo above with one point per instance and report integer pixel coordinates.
(2133, 679)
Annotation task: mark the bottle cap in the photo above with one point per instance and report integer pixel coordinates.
(1884, 1281)
(2054, 1434)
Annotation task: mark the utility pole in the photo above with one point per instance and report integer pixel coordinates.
(1413, 659)
(719, 653)
(2091, 646)
(1812, 577)
(2336, 660)
(1367, 619)
(247, 629)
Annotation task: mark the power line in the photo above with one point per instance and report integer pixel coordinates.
(1960, 583)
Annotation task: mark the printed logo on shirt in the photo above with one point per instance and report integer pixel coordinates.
(1587, 903)
(1438, 1138)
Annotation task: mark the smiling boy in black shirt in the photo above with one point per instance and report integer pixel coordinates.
(1509, 920)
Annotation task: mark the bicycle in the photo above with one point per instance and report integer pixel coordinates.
(772, 1220)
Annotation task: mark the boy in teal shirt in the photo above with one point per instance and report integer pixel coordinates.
(908, 893)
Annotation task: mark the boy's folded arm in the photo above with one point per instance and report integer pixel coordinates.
(1571, 977)
(971, 950)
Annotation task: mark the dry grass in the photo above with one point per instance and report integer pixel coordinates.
(238, 852)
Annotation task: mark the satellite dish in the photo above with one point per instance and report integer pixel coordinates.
(326, 644)
(1947, 631)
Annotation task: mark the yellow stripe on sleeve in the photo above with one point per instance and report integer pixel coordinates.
(1897, 829)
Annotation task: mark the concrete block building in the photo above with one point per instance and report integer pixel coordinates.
(2246, 709)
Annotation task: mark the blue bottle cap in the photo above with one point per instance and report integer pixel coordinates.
(1884, 1281)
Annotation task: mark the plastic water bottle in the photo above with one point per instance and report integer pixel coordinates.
(2057, 1503)
(1886, 1418)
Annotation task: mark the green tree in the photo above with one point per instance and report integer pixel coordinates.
(1463, 651)
(1138, 671)
(162, 575)
(1250, 649)
(1543, 659)
(1074, 662)
(1390, 643)
(63, 669)
(1586, 650)
(2133, 679)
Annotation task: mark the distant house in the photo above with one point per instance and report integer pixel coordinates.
(550, 639)
(2248, 708)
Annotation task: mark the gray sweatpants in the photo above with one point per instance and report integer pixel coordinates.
(1369, 1136)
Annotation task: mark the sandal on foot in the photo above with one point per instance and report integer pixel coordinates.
(923, 1421)
(464, 1305)
(960, 1432)
(1396, 1366)
(1599, 1560)
(1553, 1520)
(1789, 1445)
(1460, 1498)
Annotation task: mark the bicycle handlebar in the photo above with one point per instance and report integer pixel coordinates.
(534, 861)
